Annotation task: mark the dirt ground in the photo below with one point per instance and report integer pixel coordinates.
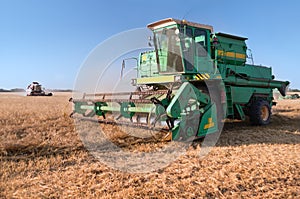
(42, 156)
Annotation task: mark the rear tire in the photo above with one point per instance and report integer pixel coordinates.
(260, 112)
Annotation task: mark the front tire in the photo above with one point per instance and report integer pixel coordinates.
(260, 112)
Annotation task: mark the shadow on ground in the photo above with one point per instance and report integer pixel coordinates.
(31, 152)
(281, 130)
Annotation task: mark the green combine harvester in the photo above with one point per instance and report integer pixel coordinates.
(191, 81)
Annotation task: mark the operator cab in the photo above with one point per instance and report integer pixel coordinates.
(182, 46)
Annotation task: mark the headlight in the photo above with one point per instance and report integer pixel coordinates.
(133, 82)
(177, 78)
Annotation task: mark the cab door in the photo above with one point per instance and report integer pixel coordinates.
(203, 62)
(188, 49)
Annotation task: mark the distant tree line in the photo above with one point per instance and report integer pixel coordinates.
(294, 90)
(60, 90)
(23, 90)
(12, 90)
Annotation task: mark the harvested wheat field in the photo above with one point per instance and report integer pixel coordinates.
(42, 156)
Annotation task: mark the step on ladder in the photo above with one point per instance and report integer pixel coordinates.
(230, 111)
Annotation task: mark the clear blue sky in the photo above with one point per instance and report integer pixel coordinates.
(48, 40)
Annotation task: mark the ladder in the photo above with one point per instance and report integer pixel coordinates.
(230, 111)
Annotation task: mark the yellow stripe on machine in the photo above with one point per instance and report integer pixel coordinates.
(198, 77)
(202, 76)
(210, 124)
(232, 54)
(144, 57)
(158, 79)
(206, 75)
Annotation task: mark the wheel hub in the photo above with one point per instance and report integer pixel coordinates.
(264, 113)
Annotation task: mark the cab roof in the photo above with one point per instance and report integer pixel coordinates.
(231, 36)
(171, 21)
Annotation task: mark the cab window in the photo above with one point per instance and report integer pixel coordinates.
(201, 43)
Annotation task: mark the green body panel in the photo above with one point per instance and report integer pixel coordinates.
(86, 107)
(147, 64)
(155, 79)
(127, 109)
(182, 98)
(230, 49)
(239, 99)
(229, 72)
(82, 107)
(188, 125)
(98, 109)
(124, 109)
(240, 111)
(203, 65)
(209, 122)
(242, 95)
(188, 105)
(110, 108)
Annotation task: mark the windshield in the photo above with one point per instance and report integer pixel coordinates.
(168, 50)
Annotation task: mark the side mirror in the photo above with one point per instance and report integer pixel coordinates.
(150, 43)
(122, 69)
(123, 64)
